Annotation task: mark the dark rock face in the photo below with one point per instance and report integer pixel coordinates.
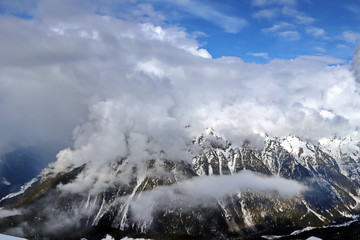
(328, 169)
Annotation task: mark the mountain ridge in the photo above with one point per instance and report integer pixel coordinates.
(332, 190)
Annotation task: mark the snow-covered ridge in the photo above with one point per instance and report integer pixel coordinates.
(289, 157)
(22, 189)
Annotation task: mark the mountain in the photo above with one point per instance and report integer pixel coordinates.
(16, 168)
(155, 199)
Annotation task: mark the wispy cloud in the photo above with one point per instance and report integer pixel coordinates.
(284, 30)
(289, 35)
(302, 19)
(262, 3)
(320, 49)
(230, 24)
(316, 32)
(351, 36)
(278, 26)
(259, 54)
(299, 17)
(266, 13)
(352, 8)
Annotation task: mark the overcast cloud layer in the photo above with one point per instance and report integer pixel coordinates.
(125, 83)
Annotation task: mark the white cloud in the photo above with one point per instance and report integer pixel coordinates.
(278, 27)
(230, 24)
(143, 83)
(299, 17)
(142, 12)
(266, 13)
(289, 35)
(316, 32)
(320, 49)
(260, 54)
(176, 37)
(196, 191)
(304, 19)
(352, 8)
(351, 36)
(341, 46)
(356, 63)
(262, 3)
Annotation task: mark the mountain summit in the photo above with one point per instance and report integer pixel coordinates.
(225, 192)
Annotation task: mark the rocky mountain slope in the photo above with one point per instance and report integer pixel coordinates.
(142, 204)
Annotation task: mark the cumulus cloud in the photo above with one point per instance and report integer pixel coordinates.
(196, 192)
(129, 92)
(134, 129)
(125, 82)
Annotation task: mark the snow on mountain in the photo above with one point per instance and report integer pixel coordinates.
(157, 196)
(346, 152)
(22, 189)
(7, 237)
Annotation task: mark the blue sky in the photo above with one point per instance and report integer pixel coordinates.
(257, 30)
(254, 30)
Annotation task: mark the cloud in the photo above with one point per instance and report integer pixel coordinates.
(320, 49)
(262, 3)
(289, 35)
(196, 191)
(117, 81)
(356, 63)
(299, 17)
(316, 32)
(124, 92)
(266, 13)
(143, 12)
(229, 23)
(351, 36)
(260, 54)
(278, 27)
(304, 19)
(352, 8)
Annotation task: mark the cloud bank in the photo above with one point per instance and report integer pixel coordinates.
(204, 191)
(115, 80)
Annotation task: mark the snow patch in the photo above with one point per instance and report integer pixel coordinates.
(108, 237)
(7, 237)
